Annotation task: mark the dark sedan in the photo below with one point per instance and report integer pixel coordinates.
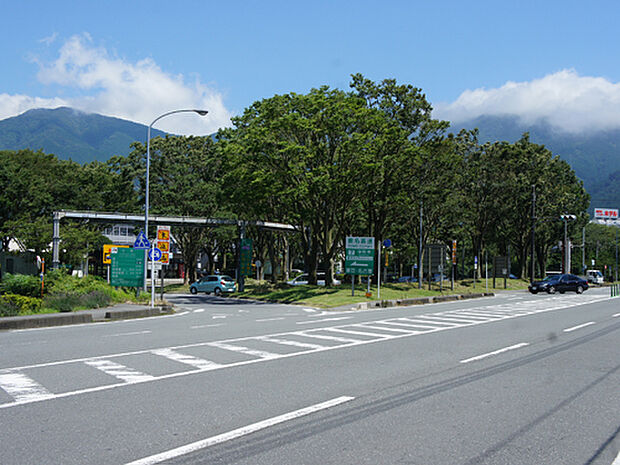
(559, 283)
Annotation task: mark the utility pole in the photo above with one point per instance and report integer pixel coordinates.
(420, 252)
(533, 232)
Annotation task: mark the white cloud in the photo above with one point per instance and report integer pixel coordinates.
(567, 101)
(11, 105)
(115, 87)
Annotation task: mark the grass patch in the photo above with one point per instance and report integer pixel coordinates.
(323, 297)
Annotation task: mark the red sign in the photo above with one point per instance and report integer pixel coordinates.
(606, 213)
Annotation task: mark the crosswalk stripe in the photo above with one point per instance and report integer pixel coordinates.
(197, 362)
(22, 388)
(126, 374)
(383, 328)
(287, 342)
(244, 350)
(470, 316)
(424, 323)
(361, 333)
(327, 338)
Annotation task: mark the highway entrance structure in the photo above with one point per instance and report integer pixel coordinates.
(105, 217)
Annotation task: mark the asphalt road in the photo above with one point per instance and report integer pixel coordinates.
(511, 379)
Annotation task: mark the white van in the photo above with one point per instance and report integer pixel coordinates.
(594, 276)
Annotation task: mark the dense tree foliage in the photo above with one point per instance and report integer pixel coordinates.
(330, 162)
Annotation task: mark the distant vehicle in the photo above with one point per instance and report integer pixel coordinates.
(559, 283)
(407, 279)
(302, 279)
(595, 277)
(216, 284)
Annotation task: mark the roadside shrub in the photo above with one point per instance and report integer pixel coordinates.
(21, 284)
(24, 304)
(63, 302)
(95, 299)
(8, 308)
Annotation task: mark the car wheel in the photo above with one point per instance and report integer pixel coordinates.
(551, 290)
(579, 290)
(193, 290)
(217, 291)
(534, 292)
(562, 292)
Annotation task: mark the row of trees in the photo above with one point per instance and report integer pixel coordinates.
(331, 162)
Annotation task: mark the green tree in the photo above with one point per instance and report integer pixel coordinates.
(298, 157)
(185, 180)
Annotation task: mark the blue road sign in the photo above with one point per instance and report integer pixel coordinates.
(387, 243)
(155, 254)
(141, 242)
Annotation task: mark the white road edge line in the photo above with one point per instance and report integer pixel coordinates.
(589, 323)
(495, 352)
(615, 316)
(236, 433)
(617, 461)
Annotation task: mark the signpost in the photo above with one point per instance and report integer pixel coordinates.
(359, 258)
(245, 257)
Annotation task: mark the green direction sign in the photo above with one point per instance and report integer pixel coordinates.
(359, 256)
(127, 268)
(245, 257)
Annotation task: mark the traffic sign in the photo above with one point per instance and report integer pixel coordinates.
(387, 243)
(163, 243)
(155, 254)
(359, 256)
(141, 242)
(127, 267)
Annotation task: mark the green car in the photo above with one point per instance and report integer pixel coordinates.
(216, 284)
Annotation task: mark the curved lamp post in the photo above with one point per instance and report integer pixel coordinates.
(146, 198)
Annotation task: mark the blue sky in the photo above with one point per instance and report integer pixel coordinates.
(136, 59)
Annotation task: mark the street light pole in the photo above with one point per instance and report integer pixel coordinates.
(566, 246)
(146, 193)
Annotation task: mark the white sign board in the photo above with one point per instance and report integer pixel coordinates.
(606, 213)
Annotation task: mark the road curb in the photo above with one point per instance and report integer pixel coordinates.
(80, 317)
(419, 300)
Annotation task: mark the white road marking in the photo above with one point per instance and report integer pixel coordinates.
(127, 334)
(231, 344)
(309, 310)
(616, 315)
(328, 338)
(269, 319)
(589, 323)
(323, 320)
(245, 350)
(239, 432)
(199, 310)
(383, 328)
(206, 326)
(617, 460)
(218, 317)
(495, 352)
(22, 388)
(286, 342)
(126, 374)
(196, 362)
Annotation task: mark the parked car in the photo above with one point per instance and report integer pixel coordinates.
(595, 277)
(302, 279)
(216, 284)
(559, 283)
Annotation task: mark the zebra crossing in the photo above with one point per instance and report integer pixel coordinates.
(45, 381)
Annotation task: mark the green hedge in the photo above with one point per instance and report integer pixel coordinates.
(21, 284)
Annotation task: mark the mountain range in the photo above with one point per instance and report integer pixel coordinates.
(594, 156)
(71, 134)
(85, 137)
